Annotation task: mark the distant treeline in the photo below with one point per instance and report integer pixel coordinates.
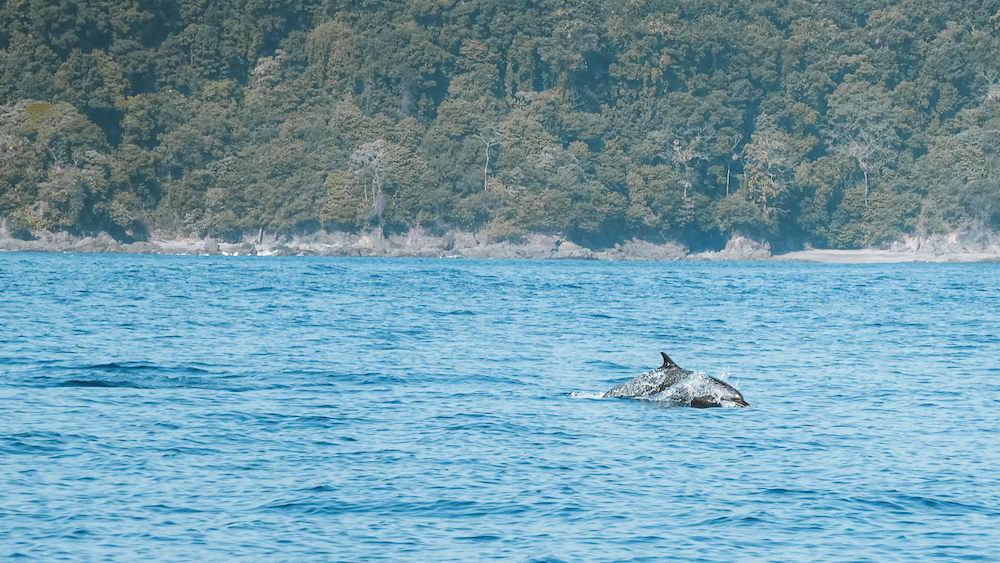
(839, 123)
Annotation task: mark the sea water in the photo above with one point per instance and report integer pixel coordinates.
(167, 408)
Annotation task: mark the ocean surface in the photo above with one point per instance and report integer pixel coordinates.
(218, 409)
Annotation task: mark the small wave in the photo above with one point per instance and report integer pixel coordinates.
(127, 368)
(129, 375)
(736, 520)
(606, 365)
(95, 383)
(943, 505)
(115, 367)
(31, 443)
(585, 395)
(482, 538)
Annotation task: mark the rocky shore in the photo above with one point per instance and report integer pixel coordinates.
(416, 243)
(461, 244)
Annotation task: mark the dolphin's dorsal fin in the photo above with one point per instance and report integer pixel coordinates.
(667, 362)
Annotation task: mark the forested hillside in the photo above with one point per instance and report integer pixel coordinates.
(840, 123)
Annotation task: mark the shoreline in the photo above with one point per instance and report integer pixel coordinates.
(875, 256)
(459, 244)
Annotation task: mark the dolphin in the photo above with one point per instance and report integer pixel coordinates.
(699, 390)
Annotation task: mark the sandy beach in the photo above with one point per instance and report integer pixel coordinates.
(872, 256)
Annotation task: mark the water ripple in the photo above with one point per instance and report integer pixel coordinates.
(304, 409)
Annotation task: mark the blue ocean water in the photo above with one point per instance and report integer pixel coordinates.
(314, 409)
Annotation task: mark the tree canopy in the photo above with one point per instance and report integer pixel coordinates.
(835, 123)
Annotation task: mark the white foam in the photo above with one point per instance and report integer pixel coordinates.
(727, 377)
(586, 395)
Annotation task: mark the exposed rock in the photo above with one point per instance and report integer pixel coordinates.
(420, 240)
(245, 249)
(18, 245)
(641, 250)
(738, 249)
(211, 246)
(54, 242)
(141, 247)
(281, 250)
(567, 250)
(534, 247)
(102, 243)
(961, 242)
(372, 242)
(417, 242)
(458, 240)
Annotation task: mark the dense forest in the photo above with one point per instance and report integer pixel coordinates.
(838, 123)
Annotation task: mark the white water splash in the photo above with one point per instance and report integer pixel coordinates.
(586, 395)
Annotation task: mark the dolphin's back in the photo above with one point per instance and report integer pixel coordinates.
(651, 382)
